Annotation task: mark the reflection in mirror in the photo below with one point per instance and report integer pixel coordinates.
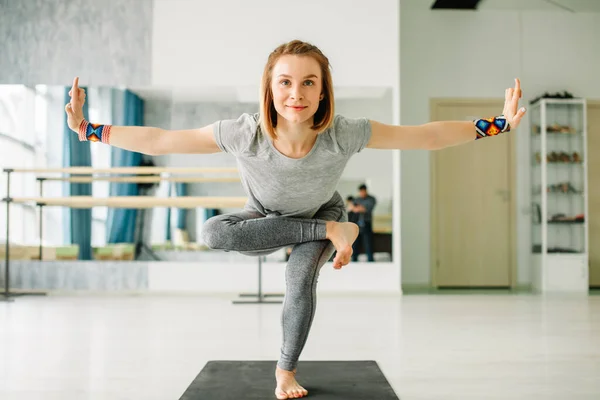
(32, 131)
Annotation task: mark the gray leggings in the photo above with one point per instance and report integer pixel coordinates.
(253, 234)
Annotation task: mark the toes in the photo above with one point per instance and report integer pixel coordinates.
(280, 395)
(336, 263)
(342, 258)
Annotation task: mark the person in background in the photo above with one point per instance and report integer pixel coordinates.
(352, 216)
(363, 207)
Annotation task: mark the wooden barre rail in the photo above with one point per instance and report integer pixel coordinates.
(138, 179)
(134, 201)
(122, 170)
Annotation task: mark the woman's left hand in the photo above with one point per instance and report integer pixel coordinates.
(512, 112)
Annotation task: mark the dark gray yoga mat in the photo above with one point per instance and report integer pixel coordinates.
(324, 380)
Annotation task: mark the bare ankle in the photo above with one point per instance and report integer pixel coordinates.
(329, 225)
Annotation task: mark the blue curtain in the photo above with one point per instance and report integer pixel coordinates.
(211, 212)
(121, 222)
(77, 222)
(182, 190)
(168, 222)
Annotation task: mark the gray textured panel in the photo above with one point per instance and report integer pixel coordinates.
(77, 275)
(49, 42)
(195, 115)
(157, 113)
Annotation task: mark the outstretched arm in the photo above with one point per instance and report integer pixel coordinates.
(441, 134)
(141, 139)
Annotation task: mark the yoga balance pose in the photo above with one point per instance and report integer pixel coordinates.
(290, 158)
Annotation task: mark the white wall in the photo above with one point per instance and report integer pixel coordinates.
(374, 167)
(239, 277)
(477, 55)
(227, 42)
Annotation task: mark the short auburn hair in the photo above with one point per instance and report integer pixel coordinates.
(323, 118)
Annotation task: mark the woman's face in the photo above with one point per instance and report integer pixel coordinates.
(297, 88)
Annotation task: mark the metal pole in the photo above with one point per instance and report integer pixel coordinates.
(7, 262)
(41, 216)
(260, 296)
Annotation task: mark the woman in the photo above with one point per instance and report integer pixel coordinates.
(290, 157)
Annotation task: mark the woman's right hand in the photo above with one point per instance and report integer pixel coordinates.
(74, 108)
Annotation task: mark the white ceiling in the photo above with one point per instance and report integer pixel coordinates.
(579, 6)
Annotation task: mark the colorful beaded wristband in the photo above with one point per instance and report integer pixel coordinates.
(491, 126)
(94, 132)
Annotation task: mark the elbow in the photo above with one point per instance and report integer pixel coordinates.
(428, 137)
(156, 143)
(434, 141)
(152, 152)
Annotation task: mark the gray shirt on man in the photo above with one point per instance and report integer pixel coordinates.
(369, 204)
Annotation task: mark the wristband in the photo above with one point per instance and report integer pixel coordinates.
(486, 127)
(94, 132)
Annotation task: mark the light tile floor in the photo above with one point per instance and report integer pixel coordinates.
(429, 346)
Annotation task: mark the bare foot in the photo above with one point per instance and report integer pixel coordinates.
(342, 235)
(287, 387)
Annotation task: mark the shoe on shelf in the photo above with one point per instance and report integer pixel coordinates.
(553, 157)
(564, 157)
(567, 129)
(571, 189)
(554, 128)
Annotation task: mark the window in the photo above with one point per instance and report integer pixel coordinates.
(23, 111)
(31, 136)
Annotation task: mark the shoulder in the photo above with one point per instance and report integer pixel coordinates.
(350, 134)
(343, 124)
(247, 121)
(236, 134)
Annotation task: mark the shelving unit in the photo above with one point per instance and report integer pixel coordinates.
(560, 244)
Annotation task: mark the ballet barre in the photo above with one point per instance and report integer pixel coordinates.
(131, 202)
(122, 170)
(137, 179)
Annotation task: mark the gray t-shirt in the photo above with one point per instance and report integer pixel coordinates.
(282, 186)
(369, 203)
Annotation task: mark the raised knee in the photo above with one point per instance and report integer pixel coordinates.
(212, 233)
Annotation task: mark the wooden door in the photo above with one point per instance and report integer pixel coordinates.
(472, 204)
(593, 145)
